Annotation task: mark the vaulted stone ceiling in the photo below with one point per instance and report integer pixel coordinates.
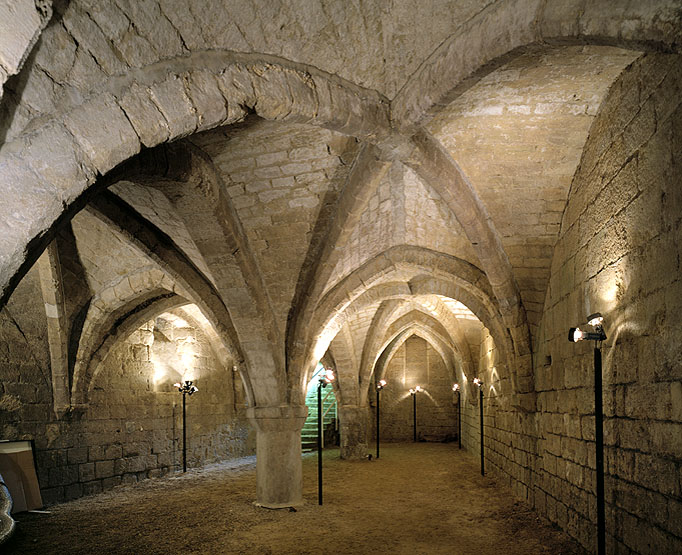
(337, 174)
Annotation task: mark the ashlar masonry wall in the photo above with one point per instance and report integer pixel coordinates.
(509, 435)
(131, 429)
(133, 426)
(619, 254)
(417, 363)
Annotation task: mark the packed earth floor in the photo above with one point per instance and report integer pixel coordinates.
(419, 498)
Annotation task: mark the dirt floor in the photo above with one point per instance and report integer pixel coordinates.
(416, 499)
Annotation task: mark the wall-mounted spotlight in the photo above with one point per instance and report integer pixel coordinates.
(478, 382)
(596, 321)
(380, 385)
(456, 389)
(186, 388)
(414, 392)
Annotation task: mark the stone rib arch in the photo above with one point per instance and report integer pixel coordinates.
(398, 338)
(504, 27)
(377, 329)
(389, 314)
(108, 331)
(362, 182)
(160, 103)
(436, 167)
(425, 321)
(157, 246)
(187, 178)
(429, 273)
(401, 315)
(342, 351)
(419, 259)
(423, 333)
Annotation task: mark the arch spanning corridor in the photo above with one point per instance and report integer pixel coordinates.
(233, 192)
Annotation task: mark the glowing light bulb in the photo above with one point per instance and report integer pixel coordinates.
(455, 387)
(576, 334)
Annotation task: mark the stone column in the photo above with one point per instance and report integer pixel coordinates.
(279, 479)
(353, 430)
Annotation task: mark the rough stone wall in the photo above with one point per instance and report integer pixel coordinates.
(25, 390)
(509, 434)
(132, 427)
(417, 363)
(619, 253)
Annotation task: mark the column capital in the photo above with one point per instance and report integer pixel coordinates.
(274, 419)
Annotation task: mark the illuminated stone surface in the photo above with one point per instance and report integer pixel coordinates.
(429, 190)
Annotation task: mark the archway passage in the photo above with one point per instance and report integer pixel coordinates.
(324, 183)
(416, 363)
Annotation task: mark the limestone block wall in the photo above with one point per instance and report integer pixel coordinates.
(135, 413)
(619, 253)
(509, 434)
(131, 429)
(417, 363)
(25, 380)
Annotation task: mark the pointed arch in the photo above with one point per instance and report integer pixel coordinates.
(160, 103)
(414, 271)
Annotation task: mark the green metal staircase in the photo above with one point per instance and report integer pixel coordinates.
(329, 422)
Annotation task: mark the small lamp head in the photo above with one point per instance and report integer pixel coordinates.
(595, 320)
(575, 335)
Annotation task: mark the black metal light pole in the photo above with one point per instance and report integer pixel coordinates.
(325, 378)
(455, 388)
(380, 385)
(320, 385)
(479, 383)
(185, 388)
(576, 334)
(414, 392)
(599, 458)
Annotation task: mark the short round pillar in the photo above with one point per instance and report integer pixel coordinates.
(279, 474)
(353, 431)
